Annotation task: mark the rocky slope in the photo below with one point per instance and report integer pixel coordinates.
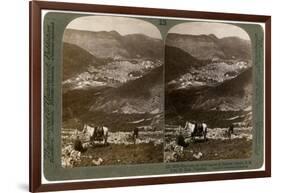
(142, 95)
(231, 95)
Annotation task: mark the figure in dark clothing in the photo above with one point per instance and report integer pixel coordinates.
(78, 146)
(230, 131)
(135, 134)
(181, 141)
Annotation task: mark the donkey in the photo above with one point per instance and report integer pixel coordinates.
(96, 133)
(197, 129)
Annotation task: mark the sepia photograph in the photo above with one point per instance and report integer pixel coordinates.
(208, 92)
(112, 92)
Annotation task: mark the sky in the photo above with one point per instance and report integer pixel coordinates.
(122, 25)
(221, 30)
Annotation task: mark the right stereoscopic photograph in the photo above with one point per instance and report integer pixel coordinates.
(208, 92)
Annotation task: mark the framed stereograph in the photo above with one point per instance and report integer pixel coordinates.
(123, 96)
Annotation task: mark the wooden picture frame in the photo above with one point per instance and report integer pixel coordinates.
(36, 114)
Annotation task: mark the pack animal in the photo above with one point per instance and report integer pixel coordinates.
(97, 133)
(197, 129)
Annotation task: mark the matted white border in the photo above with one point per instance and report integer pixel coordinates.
(45, 181)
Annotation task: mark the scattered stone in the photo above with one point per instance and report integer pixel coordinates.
(170, 157)
(173, 152)
(70, 157)
(97, 162)
(198, 155)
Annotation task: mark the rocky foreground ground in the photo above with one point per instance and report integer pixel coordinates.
(149, 147)
(120, 149)
(218, 145)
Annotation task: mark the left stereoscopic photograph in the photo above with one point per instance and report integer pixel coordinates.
(112, 92)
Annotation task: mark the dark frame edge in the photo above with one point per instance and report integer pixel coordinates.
(152, 181)
(35, 184)
(160, 12)
(268, 96)
(34, 96)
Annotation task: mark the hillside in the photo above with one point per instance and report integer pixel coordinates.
(139, 45)
(113, 45)
(231, 95)
(234, 46)
(77, 60)
(142, 95)
(137, 103)
(101, 44)
(208, 47)
(178, 62)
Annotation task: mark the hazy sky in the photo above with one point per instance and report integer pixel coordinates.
(219, 29)
(122, 25)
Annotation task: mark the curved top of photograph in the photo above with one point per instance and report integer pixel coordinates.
(219, 30)
(115, 37)
(211, 41)
(122, 25)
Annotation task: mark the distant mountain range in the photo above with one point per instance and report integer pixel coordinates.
(135, 62)
(214, 85)
(208, 47)
(111, 44)
(98, 58)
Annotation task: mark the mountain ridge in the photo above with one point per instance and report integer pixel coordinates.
(112, 44)
(208, 47)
